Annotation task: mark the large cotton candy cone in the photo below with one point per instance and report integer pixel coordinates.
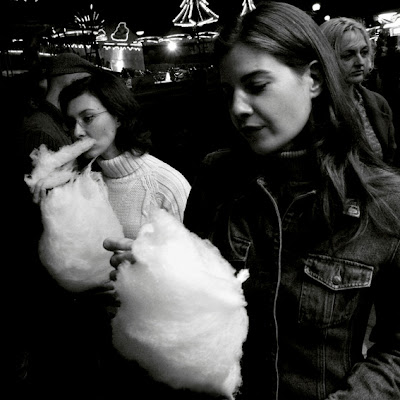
(77, 217)
(182, 315)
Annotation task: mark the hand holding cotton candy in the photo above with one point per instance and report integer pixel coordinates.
(76, 216)
(182, 315)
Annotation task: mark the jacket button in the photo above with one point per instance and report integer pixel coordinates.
(337, 280)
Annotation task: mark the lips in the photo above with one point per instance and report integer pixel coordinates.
(250, 130)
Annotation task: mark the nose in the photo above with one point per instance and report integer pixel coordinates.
(360, 59)
(79, 132)
(240, 105)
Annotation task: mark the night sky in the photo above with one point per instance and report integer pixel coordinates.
(155, 16)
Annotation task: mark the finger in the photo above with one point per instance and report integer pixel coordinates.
(36, 194)
(113, 275)
(39, 191)
(118, 258)
(118, 244)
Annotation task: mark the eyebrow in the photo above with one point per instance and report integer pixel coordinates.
(88, 110)
(354, 50)
(254, 74)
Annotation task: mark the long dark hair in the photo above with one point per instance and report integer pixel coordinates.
(348, 167)
(119, 101)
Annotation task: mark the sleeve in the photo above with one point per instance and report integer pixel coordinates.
(174, 190)
(378, 376)
(393, 144)
(209, 189)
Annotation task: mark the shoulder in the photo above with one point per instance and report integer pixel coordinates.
(224, 161)
(159, 165)
(163, 172)
(222, 173)
(370, 96)
(35, 120)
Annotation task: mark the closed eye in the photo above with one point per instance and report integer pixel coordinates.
(88, 119)
(256, 88)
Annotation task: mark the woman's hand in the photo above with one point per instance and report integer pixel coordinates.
(122, 249)
(39, 191)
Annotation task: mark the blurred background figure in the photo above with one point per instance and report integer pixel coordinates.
(355, 54)
(45, 124)
(51, 335)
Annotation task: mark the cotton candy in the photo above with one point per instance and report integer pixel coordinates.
(182, 315)
(56, 167)
(76, 216)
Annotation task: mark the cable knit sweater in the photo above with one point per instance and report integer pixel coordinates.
(139, 184)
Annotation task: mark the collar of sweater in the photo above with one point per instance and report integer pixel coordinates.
(123, 165)
(290, 167)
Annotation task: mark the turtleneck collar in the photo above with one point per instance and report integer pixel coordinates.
(289, 167)
(122, 165)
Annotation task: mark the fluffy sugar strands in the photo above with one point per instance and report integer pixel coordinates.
(182, 315)
(76, 216)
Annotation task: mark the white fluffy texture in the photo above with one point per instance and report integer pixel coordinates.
(76, 216)
(56, 168)
(182, 315)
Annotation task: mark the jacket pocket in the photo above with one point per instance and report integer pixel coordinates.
(331, 289)
(236, 251)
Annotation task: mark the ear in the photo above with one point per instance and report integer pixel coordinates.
(316, 79)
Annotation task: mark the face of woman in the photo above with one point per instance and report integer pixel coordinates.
(90, 118)
(269, 103)
(354, 57)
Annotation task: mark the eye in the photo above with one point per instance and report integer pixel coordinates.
(346, 56)
(88, 119)
(256, 87)
(365, 53)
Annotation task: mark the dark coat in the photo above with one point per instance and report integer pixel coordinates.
(381, 118)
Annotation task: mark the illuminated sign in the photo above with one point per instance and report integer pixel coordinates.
(121, 33)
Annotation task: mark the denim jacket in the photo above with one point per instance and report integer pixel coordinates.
(309, 294)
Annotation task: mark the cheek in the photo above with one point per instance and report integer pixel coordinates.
(346, 66)
(294, 114)
(107, 133)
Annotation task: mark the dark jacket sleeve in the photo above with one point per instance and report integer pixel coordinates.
(206, 194)
(380, 116)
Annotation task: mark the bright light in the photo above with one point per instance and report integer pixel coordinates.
(139, 33)
(327, 17)
(316, 6)
(172, 46)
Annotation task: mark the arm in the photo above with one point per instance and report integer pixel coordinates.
(378, 376)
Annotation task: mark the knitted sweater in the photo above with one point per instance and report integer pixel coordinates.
(137, 185)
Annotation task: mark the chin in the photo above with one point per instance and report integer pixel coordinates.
(262, 150)
(356, 80)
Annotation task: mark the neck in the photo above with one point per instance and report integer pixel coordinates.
(351, 92)
(52, 97)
